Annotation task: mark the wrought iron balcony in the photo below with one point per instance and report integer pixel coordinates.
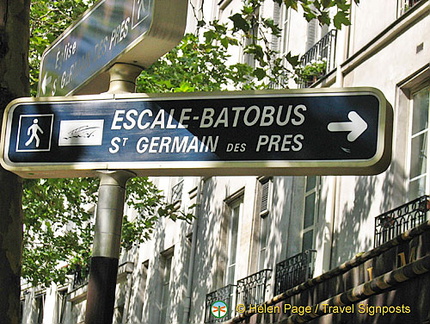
(80, 276)
(396, 221)
(293, 271)
(224, 294)
(318, 61)
(252, 289)
(177, 191)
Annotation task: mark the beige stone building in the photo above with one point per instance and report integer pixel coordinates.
(256, 239)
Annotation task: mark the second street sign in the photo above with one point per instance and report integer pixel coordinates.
(127, 31)
(302, 132)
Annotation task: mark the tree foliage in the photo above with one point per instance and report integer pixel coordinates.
(58, 214)
(59, 221)
(57, 227)
(201, 61)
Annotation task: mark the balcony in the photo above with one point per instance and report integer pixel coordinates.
(397, 221)
(293, 271)
(252, 289)
(318, 61)
(224, 294)
(80, 276)
(177, 189)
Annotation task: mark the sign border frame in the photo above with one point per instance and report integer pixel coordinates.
(375, 165)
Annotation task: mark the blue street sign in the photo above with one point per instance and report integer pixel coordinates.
(131, 31)
(233, 133)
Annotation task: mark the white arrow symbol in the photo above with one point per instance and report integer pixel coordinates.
(356, 126)
(46, 80)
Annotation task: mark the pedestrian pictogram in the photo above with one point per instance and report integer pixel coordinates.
(34, 133)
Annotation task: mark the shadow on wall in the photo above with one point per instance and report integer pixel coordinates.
(280, 215)
(388, 189)
(208, 275)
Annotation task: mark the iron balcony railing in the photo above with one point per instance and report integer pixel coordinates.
(293, 271)
(322, 51)
(224, 294)
(397, 221)
(251, 290)
(80, 276)
(177, 191)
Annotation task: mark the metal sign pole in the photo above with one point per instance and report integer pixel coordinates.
(106, 249)
(109, 215)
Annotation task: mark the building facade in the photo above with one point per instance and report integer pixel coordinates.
(276, 249)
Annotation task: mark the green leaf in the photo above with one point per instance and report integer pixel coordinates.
(260, 73)
(240, 23)
(291, 4)
(309, 16)
(341, 19)
(293, 60)
(274, 28)
(225, 42)
(209, 35)
(324, 18)
(327, 3)
(343, 5)
(201, 23)
(248, 10)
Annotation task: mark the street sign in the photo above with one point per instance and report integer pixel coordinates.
(278, 132)
(126, 31)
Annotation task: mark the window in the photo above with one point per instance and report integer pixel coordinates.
(285, 27)
(40, 307)
(236, 207)
(405, 5)
(418, 163)
(265, 193)
(310, 212)
(252, 39)
(166, 269)
(143, 275)
(264, 235)
(61, 304)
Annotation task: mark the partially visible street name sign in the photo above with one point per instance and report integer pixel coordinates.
(126, 31)
(286, 132)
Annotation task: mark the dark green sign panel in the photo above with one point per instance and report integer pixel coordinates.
(131, 31)
(234, 133)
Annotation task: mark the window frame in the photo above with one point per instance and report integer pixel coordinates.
(233, 233)
(166, 265)
(411, 136)
(315, 190)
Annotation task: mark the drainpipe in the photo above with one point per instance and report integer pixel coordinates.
(343, 46)
(189, 291)
(334, 181)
